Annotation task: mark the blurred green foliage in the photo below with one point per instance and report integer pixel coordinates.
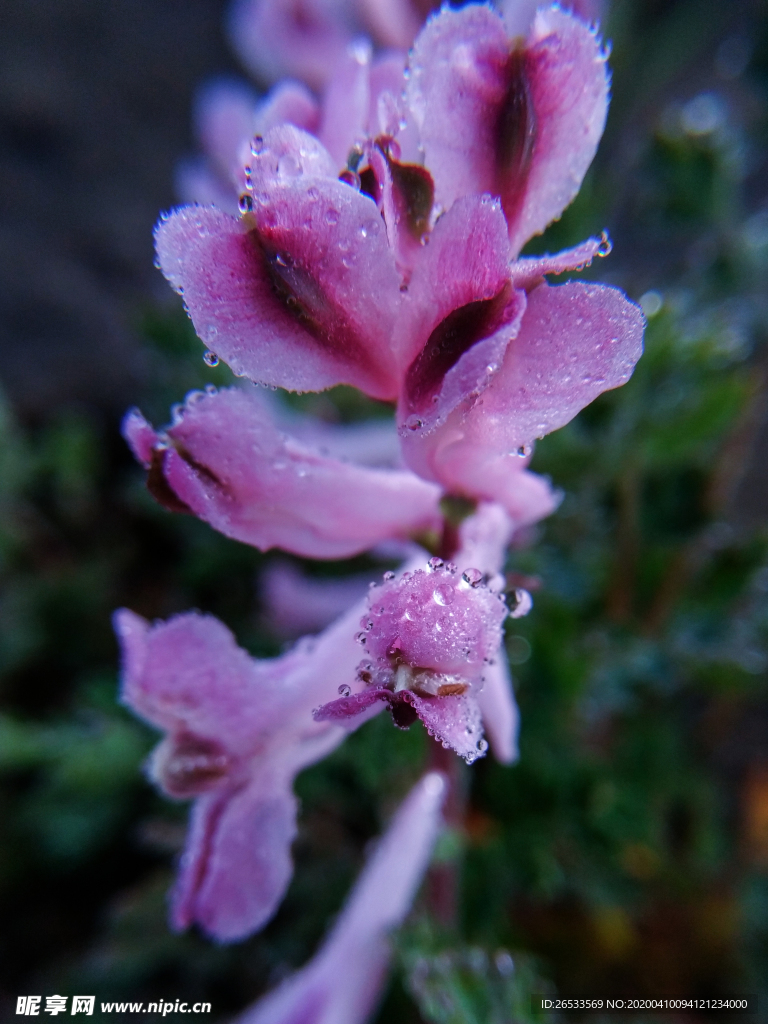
(628, 848)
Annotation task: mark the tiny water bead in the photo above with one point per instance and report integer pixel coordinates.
(361, 638)
(245, 203)
(520, 603)
(210, 358)
(473, 577)
(435, 563)
(344, 690)
(389, 575)
(444, 594)
(257, 145)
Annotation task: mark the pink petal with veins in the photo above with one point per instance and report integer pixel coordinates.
(459, 315)
(530, 118)
(301, 294)
(229, 465)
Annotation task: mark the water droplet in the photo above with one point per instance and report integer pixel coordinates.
(473, 577)
(332, 216)
(361, 638)
(606, 245)
(257, 145)
(524, 450)
(210, 358)
(413, 423)
(444, 594)
(389, 575)
(350, 178)
(211, 389)
(482, 746)
(344, 690)
(520, 603)
(245, 203)
(435, 563)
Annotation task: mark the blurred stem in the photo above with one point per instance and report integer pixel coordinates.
(443, 880)
(621, 590)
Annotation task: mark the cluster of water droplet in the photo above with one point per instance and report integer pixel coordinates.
(432, 630)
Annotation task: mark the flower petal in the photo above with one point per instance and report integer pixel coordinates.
(459, 315)
(576, 341)
(297, 38)
(228, 464)
(499, 710)
(346, 102)
(288, 103)
(237, 864)
(357, 949)
(224, 116)
(303, 296)
(189, 676)
(530, 118)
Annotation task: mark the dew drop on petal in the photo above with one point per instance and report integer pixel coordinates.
(473, 577)
(257, 145)
(361, 638)
(344, 690)
(435, 563)
(389, 575)
(444, 594)
(245, 203)
(210, 358)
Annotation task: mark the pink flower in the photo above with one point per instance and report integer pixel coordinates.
(343, 981)
(317, 286)
(224, 460)
(238, 732)
(430, 636)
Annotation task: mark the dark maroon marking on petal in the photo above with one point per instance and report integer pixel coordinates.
(198, 467)
(192, 766)
(368, 184)
(403, 713)
(415, 193)
(448, 342)
(303, 298)
(515, 134)
(159, 487)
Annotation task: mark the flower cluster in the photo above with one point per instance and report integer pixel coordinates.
(377, 243)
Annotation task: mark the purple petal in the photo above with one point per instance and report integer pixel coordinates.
(459, 315)
(346, 102)
(498, 707)
(301, 39)
(302, 296)
(519, 15)
(453, 721)
(229, 465)
(189, 676)
(576, 341)
(528, 273)
(391, 22)
(433, 619)
(349, 707)
(237, 863)
(357, 949)
(288, 103)
(224, 116)
(530, 118)
(297, 604)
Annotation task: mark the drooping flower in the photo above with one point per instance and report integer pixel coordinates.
(238, 730)
(320, 284)
(343, 981)
(430, 636)
(225, 460)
